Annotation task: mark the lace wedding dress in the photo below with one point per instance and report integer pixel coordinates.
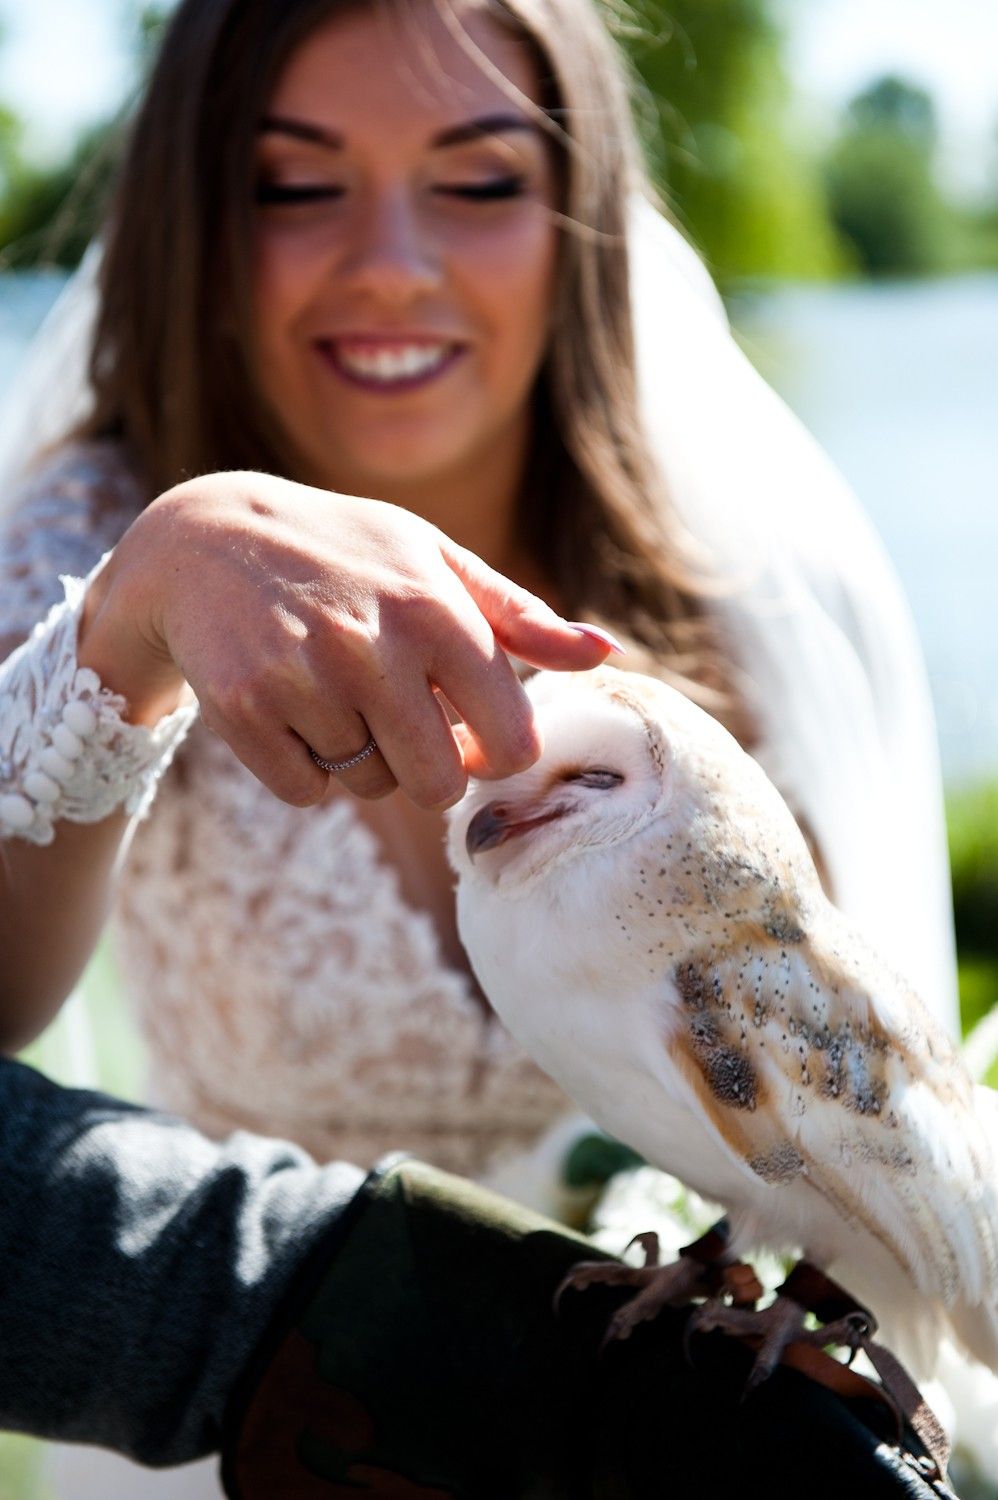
(281, 982)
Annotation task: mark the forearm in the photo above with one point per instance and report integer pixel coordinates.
(167, 1297)
(139, 1265)
(74, 769)
(53, 904)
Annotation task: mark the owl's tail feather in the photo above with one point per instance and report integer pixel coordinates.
(912, 1332)
(977, 1329)
(915, 1328)
(977, 1326)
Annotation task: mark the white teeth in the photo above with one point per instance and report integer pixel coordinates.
(393, 364)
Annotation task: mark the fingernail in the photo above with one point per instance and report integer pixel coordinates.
(597, 633)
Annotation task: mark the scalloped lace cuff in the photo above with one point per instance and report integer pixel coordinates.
(66, 752)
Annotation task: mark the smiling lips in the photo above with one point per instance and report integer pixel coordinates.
(389, 364)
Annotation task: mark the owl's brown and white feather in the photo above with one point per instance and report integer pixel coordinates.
(642, 911)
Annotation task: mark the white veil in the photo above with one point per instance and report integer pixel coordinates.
(815, 610)
(51, 390)
(816, 613)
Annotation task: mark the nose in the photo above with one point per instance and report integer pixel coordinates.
(391, 257)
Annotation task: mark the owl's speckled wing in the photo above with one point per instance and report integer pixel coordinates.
(805, 1073)
(648, 921)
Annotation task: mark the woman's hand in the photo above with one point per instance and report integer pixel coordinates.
(305, 619)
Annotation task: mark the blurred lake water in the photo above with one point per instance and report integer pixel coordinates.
(900, 384)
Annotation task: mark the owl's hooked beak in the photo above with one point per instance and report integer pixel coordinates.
(497, 822)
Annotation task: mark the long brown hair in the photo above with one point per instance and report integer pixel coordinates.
(171, 370)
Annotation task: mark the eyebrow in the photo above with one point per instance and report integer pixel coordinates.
(454, 135)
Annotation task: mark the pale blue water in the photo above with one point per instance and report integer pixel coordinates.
(24, 301)
(900, 384)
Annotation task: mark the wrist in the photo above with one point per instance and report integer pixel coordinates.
(72, 757)
(117, 637)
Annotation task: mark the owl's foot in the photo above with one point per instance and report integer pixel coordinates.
(774, 1329)
(778, 1335)
(611, 1273)
(701, 1270)
(769, 1330)
(660, 1286)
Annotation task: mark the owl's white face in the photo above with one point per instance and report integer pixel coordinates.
(603, 776)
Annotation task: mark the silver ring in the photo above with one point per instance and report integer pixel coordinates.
(334, 766)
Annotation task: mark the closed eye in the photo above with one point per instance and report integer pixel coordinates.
(476, 192)
(486, 192)
(279, 192)
(595, 776)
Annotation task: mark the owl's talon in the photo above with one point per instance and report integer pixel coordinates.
(757, 1376)
(616, 1331)
(649, 1242)
(773, 1329)
(655, 1287)
(700, 1320)
(768, 1330)
(588, 1273)
(850, 1332)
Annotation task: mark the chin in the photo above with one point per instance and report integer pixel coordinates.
(402, 462)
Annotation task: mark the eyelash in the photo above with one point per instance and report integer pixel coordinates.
(483, 192)
(275, 193)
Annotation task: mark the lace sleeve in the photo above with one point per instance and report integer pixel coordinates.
(66, 750)
(64, 516)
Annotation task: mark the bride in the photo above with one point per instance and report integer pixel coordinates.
(365, 403)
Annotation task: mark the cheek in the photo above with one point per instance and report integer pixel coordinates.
(286, 269)
(510, 278)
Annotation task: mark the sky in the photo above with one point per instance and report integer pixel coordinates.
(65, 61)
(62, 62)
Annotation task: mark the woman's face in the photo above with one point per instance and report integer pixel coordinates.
(404, 250)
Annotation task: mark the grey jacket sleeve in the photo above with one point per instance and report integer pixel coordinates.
(139, 1265)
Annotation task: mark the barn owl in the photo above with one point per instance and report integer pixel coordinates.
(642, 911)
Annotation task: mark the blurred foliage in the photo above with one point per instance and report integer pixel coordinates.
(974, 244)
(972, 820)
(595, 1158)
(978, 990)
(881, 190)
(714, 113)
(151, 23)
(20, 1461)
(894, 104)
(727, 150)
(48, 214)
(50, 211)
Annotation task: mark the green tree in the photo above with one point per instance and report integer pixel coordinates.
(895, 104)
(49, 213)
(716, 117)
(882, 194)
(152, 21)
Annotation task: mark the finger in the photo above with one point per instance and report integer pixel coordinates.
(500, 734)
(523, 624)
(476, 762)
(337, 733)
(274, 754)
(370, 779)
(416, 739)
